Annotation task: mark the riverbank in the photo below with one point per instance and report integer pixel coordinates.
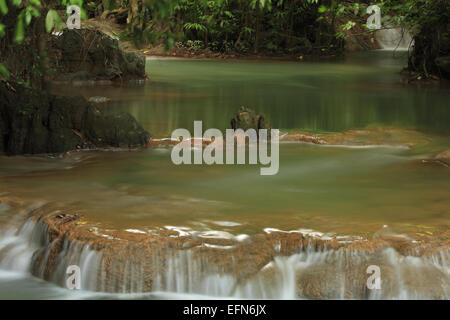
(183, 53)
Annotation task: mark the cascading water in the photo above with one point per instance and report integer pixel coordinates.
(27, 249)
(329, 274)
(310, 273)
(18, 245)
(393, 39)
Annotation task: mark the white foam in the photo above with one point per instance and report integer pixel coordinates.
(135, 231)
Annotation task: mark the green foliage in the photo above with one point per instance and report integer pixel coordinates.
(348, 26)
(34, 9)
(194, 26)
(322, 9)
(220, 25)
(193, 45)
(3, 7)
(19, 32)
(4, 74)
(428, 21)
(226, 25)
(52, 21)
(275, 26)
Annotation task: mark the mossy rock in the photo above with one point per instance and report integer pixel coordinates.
(248, 119)
(90, 54)
(33, 122)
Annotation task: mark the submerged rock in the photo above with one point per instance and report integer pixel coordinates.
(33, 122)
(90, 54)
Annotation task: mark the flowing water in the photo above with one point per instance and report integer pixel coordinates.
(323, 191)
(394, 39)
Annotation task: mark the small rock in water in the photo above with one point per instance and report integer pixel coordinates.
(248, 119)
(97, 99)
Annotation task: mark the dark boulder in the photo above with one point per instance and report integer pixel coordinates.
(33, 122)
(90, 54)
(443, 63)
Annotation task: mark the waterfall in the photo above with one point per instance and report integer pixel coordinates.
(27, 248)
(393, 39)
(309, 273)
(18, 245)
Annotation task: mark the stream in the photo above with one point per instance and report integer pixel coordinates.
(339, 192)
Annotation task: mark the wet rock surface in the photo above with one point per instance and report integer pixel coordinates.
(441, 159)
(33, 122)
(371, 136)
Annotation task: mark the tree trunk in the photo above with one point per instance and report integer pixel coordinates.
(255, 44)
(40, 42)
(291, 25)
(133, 12)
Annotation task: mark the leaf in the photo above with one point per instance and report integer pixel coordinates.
(83, 14)
(194, 26)
(420, 234)
(17, 2)
(35, 12)
(322, 9)
(19, 32)
(37, 3)
(50, 20)
(27, 17)
(4, 72)
(228, 14)
(2, 30)
(3, 7)
(77, 2)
